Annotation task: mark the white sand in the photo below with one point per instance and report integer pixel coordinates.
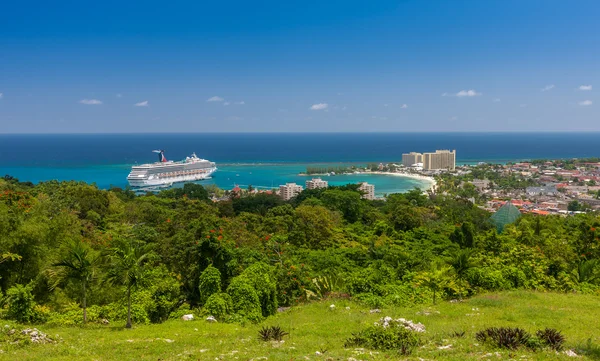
(430, 180)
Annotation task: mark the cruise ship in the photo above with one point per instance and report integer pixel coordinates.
(164, 173)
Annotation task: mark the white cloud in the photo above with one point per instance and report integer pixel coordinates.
(142, 104)
(90, 101)
(320, 106)
(1, 95)
(497, 100)
(226, 103)
(467, 93)
(385, 105)
(463, 93)
(548, 87)
(454, 118)
(585, 87)
(215, 99)
(586, 103)
(240, 103)
(119, 95)
(404, 106)
(523, 105)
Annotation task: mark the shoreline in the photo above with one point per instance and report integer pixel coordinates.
(432, 182)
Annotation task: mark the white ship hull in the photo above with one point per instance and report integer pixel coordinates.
(166, 181)
(165, 173)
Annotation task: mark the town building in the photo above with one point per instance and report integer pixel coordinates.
(368, 190)
(547, 190)
(289, 191)
(481, 184)
(316, 183)
(441, 159)
(412, 158)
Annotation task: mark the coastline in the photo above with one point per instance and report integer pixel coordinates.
(430, 180)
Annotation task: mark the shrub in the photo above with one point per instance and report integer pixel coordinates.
(488, 279)
(390, 335)
(370, 300)
(504, 337)
(246, 304)
(261, 278)
(177, 313)
(164, 295)
(551, 338)
(219, 305)
(271, 333)
(210, 283)
(21, 306)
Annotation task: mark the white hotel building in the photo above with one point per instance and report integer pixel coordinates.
(289, 191)
(316, 183)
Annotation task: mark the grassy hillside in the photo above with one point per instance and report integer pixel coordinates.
(317, 327)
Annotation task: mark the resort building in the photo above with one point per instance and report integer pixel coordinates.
(368, 190)
(412, 158)
(441, 159)
(289, 191)
(316, 183)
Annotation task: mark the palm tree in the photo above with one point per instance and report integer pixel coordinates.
(587, 271)
(127, 267)
(437, 279)
(78, 264)
(462, 261)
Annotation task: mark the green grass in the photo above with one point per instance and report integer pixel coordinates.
(314, 327)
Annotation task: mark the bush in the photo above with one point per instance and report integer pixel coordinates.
(394, 336)
(219, 305)
(164, 294)
(245, 302)
(261, 278)
(504, 337)
(271, 333)
(370, 300)
(551, 338)
(177, 313)
(488, 279)
(21, 306)
(210, 283)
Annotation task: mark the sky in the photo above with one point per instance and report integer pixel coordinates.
(299, 66)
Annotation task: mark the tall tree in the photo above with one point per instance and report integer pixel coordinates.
(78, 263)
(127, 267)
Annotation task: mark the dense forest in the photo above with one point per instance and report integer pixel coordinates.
(72, 253)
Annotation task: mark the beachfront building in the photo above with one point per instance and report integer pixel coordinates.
(441, 159)
(316, 183)
(412, 158)
(368, 190)
(289, 191)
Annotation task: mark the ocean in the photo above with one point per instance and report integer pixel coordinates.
(269, 159)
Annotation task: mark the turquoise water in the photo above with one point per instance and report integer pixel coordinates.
(262, 176)
(269, 159)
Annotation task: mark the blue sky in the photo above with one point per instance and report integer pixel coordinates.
(413, 65)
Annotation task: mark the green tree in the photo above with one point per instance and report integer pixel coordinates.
(587, 271)
(127, 267)
(210, 283)
(437, 279)
(574, 206)
(462, 261)
(78, 264)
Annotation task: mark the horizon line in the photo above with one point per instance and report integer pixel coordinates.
(322, 132)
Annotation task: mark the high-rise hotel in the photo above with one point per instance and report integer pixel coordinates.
(440, 159)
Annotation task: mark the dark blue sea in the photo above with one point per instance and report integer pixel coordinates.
(269, 159)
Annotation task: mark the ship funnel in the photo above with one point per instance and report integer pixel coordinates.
(161, 155)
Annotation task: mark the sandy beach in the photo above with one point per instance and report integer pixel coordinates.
(430, 180)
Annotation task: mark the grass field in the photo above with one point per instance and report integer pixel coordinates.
(316, 327)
